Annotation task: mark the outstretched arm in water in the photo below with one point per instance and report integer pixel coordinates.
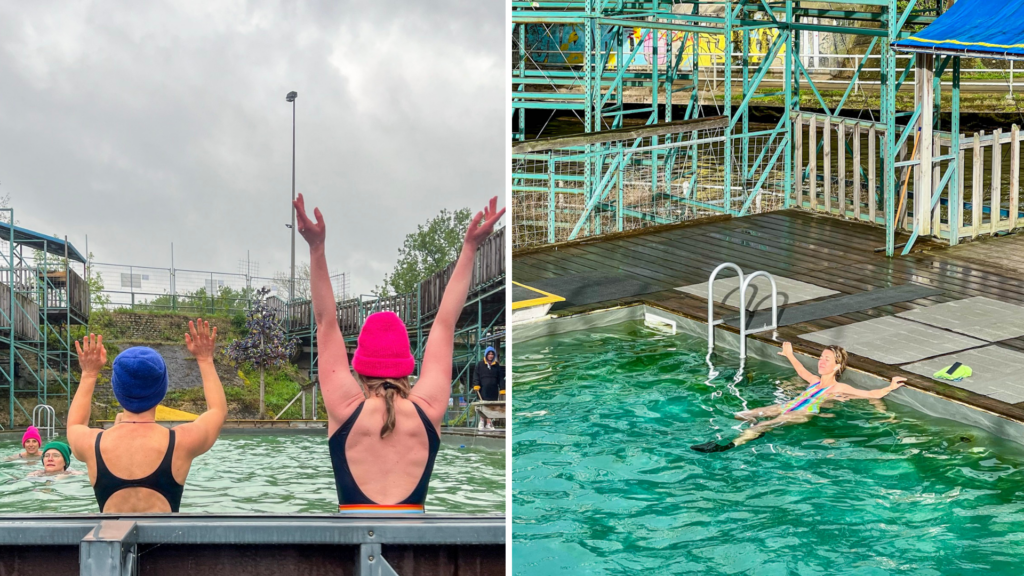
(858, 394)
(434, 387)
(198, 436)
(91, 359)
(342, 394)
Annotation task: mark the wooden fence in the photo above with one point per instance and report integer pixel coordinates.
(837, 166)
(989, 176)
(66, 290)
(411, 307)
(25, 314)
(838, 170)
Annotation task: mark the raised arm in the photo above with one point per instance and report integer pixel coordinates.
(198, 436)
(787, 351)
(434, 386)
(91, 359)
(340, 390)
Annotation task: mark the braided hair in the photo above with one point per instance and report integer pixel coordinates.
(387, 388)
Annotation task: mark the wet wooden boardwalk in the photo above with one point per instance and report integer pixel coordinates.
(828, 252)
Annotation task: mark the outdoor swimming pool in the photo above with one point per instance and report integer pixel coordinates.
(604, 481)
(259, 473)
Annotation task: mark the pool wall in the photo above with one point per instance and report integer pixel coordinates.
(910, 397)
(107, 545)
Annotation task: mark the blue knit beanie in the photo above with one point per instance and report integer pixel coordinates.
(139, 379)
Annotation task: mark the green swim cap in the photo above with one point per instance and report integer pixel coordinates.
(61, 447)
(955, 372)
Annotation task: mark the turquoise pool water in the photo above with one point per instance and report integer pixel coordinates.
(604, 481)
(250, 473)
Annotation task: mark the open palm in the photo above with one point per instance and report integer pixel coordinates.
(483, 223)
(92, 356)
(314, 233)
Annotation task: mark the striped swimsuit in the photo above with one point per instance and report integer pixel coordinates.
(808, 401)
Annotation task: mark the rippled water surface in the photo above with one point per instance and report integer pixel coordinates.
(246, 473)
(604, 481)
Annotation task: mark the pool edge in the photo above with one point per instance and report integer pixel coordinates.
(923, 401)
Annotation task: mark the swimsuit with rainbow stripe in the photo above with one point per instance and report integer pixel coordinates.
(808, 401)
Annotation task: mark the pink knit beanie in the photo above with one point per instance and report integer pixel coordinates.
(383, 349)
(31, 434)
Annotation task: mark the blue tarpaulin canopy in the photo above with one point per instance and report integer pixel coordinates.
(48, 244)
(977, 28)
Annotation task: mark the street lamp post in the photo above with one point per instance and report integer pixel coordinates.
(291, 286)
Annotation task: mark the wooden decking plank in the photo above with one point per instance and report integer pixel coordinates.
(982, 281)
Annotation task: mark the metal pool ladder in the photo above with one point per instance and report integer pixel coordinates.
(744, 283)
(43, 417)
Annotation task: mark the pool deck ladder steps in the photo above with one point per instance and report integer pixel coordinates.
(744, 284)
(43, 417)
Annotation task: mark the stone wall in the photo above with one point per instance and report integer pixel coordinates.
(134, 327)
(165, 333)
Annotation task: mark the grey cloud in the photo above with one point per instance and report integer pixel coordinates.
(142, 124)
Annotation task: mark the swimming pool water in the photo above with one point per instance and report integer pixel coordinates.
(256, 473)
(604, 481)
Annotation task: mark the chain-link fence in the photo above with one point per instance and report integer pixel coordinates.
(191, 291)
(572, 187)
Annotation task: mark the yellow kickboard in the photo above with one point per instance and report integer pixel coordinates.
(163, 413)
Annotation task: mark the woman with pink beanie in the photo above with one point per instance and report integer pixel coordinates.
(384, 434)
(30, 441)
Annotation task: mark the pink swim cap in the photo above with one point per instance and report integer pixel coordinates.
(31, 434)
(383, 350)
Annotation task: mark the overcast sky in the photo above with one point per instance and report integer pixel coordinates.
(140, 124)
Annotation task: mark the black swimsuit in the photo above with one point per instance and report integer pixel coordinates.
(160, 481)
(351, 498)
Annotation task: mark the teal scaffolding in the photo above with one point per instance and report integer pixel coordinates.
(41, 298)
(608, 60)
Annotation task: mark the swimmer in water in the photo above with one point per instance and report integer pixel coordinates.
(383, 433)
(138, 465)
(31, 442)
(823, 387)
(56, 459)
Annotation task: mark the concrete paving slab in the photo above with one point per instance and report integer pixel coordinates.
(978, 317)
(996, 372)
(892, 340)
(759, 293)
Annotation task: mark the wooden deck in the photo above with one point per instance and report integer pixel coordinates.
(825, 251)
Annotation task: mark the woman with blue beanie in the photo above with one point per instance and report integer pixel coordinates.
(138, 465)
(383, 435)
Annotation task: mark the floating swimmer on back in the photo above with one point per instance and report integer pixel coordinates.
(30, 442)
(823, 387)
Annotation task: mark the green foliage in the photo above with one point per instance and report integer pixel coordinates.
(281, 383)
(265, 344)
(433, 246)
(225, 301)
(95, 282)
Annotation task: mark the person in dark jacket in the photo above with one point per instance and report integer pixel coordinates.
(489, 379)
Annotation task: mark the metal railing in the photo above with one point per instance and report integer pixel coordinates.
(172, 289)
(43, 418)
(828, 69)
(411, 307)
(571, 187)
(744, 284)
